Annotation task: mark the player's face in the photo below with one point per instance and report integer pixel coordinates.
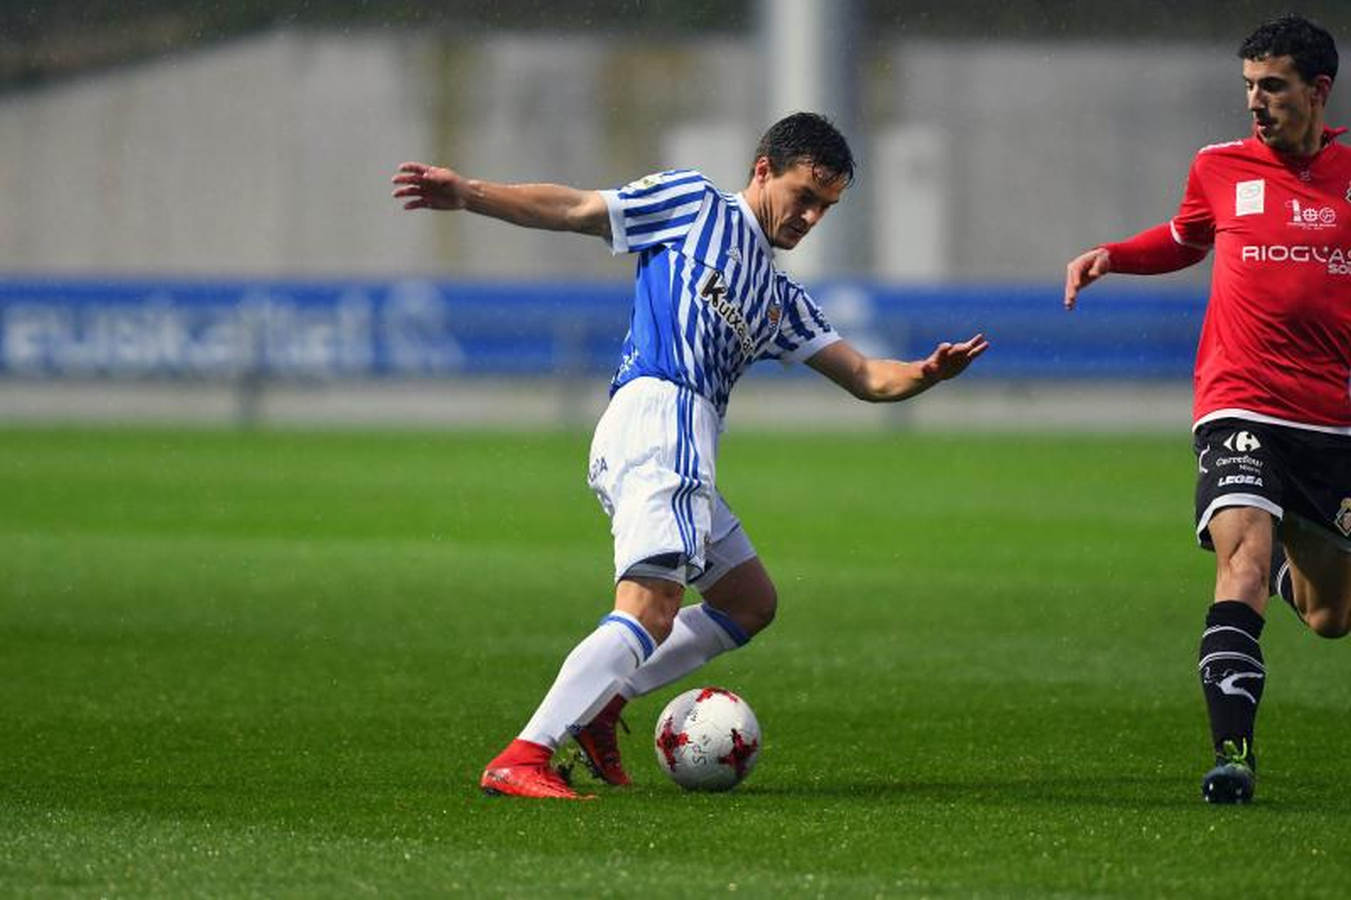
(1284, 106)
(797, 200)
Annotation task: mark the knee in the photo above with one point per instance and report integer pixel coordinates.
(654, 602)
(747, 596)
(1328, 623)
(1243, 576)
(659, 618)
(758, 614)
(766, 611)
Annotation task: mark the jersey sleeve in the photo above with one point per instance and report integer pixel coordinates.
(1194, 224)
(1153, 251)
(803, 329)
(656, 209)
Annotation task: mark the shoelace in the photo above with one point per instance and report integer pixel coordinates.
(1231, 753)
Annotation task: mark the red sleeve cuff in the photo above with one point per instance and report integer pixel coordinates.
(1152, 252)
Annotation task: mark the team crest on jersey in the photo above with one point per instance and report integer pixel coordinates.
(1343, 518)
(775, 312)
(1348, 192)
(1250, 197)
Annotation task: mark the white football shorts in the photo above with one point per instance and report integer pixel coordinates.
(653, 466)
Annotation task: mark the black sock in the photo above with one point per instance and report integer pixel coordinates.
(1232, 672)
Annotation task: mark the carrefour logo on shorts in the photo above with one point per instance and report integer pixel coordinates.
(1242, 442)
(1337, 259)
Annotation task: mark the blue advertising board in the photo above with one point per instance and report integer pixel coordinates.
(119, 328)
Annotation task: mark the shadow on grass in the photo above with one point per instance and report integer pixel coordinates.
(1293, 795)
(428, 807)
(1119, 791)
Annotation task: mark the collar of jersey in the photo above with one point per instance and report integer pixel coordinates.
(755, 225)
(1328, 138)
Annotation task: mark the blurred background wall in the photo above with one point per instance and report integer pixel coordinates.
(255, 141)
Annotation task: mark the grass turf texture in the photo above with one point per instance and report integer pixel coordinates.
(275, 663)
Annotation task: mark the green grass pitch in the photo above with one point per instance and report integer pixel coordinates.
(274, 663)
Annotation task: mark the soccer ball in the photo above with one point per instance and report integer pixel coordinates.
(707, 739)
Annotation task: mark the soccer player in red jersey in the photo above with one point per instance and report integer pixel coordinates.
(1272, 407)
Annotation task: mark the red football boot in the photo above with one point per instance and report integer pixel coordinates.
(600, 746)
(523, 770)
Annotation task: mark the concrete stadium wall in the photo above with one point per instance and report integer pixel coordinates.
(270, 156)
(258, 156)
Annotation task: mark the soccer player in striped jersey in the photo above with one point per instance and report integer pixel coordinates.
(1272, 411)
(708, 302)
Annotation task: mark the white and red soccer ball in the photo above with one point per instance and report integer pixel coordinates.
(707, 739)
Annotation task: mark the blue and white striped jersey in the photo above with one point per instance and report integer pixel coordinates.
(707, 301)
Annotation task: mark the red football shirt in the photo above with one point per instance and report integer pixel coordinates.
(1276, 342)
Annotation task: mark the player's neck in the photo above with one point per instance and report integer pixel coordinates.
(756, 200)
(1311, 142)
(1308, 143)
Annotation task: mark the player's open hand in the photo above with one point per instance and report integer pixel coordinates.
(1083, 270)
(950, 360)
(430, 187)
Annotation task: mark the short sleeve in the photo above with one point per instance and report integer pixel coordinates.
(656, 209)
(803, 327)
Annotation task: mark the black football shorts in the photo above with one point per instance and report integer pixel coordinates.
(1279, 469)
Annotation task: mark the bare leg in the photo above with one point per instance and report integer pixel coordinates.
(736, 607)
(747, 595)
(1320, 568)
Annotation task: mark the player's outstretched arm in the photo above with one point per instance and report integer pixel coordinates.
(1083, 270)
(554, 207)
(887, 380)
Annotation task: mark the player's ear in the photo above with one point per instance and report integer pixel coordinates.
(1322, 88)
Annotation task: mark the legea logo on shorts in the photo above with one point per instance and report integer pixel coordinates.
(1242, 442)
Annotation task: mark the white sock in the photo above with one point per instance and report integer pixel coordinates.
(589, 677)
(699, 634)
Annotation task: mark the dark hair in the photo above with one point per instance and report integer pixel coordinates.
(811, 138)
(1307, 43)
